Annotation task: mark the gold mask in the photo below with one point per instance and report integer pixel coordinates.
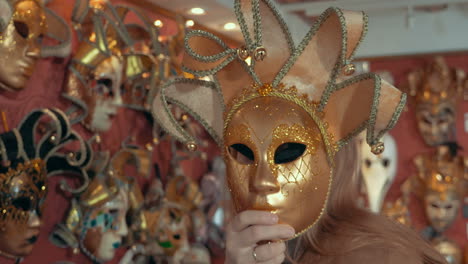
(20, 44)
(279, 112)
(435, 88)
(277, 164)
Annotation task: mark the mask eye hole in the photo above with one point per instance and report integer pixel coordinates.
(368, 163)
(22, 29)
(23, 203)
(104, 87)
(242, 154)
(288, 152)
(385, 163)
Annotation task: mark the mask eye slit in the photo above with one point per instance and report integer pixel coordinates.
(242, 154)
(288, 152)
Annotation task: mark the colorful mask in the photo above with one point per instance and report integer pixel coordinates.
(30, 154)
(378, 172)
(96, 222)
(95, 74)
(436, 87)
(281, 116)
(440, 184)
(23, 25)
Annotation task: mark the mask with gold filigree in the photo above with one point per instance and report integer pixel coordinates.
(95, 74)
(398, 211)
(281, 113)
(96, 222)
(23, 26)
(41, 147)
(436, 88)
(440, 185)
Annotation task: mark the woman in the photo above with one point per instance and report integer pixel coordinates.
(285, 116)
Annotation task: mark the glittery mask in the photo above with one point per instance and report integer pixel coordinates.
(96, 222)
(280, 112)
(31, 153)
(436, 87)
(23, 25)
(441, 186)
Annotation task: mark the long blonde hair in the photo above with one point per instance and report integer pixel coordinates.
(344, 219)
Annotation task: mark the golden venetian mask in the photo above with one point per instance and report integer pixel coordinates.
(30, 154)
(23, 25)
(279, 119)
(435, 88)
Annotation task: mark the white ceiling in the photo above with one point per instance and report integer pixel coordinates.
(397, 27)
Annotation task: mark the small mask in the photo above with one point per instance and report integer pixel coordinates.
(436, 87)
(449, 249)
(378, 172)
(21, 38)
(24, 171)
(441, 209)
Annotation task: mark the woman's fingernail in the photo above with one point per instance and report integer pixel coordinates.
(290, 232)
(274, 219)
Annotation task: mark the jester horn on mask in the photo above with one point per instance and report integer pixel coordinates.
(23, 26)
(42, 146)
(282, 117)
(95, 223)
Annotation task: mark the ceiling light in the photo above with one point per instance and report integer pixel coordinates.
(230, 26)
(189, 23)
(158, 23)
(197, 11)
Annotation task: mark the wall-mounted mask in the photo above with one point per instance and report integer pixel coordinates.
(39, 148)
(279, 119)
(93, 82)
(440, 185)
(436, 88)
(378, 172)
(23, 26)
(96, 222)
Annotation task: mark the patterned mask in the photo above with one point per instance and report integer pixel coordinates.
(281, 113)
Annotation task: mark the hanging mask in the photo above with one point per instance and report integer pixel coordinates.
(440, 185)
(279, 118)
(436, 88)
(39, 148)
(96, 222)
(23, 26)
(93, 82)
(378, 172)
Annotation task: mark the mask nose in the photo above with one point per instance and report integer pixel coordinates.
(264, 180)
(34, 220)
(33, 51)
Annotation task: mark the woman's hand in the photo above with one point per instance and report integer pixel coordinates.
(249, 228)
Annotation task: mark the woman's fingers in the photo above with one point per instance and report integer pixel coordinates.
(276, 260)
(269, 252)
(254, 234)
(248, 218)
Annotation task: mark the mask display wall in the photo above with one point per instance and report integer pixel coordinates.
(31, 153)
(96, 222)
(23, 26)
(280, 120)
(378, 171)
(436, 88)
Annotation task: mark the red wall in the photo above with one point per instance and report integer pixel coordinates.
(45, 87)
(410, 143)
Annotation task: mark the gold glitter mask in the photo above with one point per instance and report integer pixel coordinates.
(276, 161)
(20, 44)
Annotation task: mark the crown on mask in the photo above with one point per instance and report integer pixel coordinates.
(39, 148)
(436, 83)
(315, 75)
(57, 29)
